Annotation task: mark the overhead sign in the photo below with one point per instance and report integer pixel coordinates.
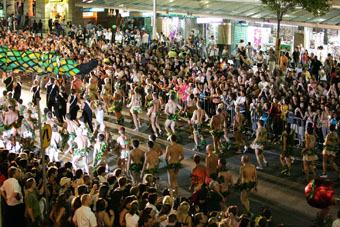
(46, 135)
(208, 20)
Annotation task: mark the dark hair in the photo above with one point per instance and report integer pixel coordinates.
(223, 161)
(173, 138)
(101, 137)
(332, 127)
(150, 144)
(219, 110)
(153, 137)
(152, 198)
(51, 170)
(82, 189)
(100, 205)
(101, 170)
(103, 190)
(197, 158)
(310, 131)
(122, 181)
(78, 173)
(261, 122)
(172, 218)
(244, 222)
(135, 143)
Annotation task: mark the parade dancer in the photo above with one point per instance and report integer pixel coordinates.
(118, 102)
(171, 111)
(173, 156)
(10, 117)
(71, 127)
(247, 181)
(107, 93)
(197, 121)
(288, 138)
(154, 110)
(189, 109)
(151, 161)
(123, 144)
(309, 153)
(216, 129)
(135, 162)
(225, 126)
(329, 152)
(82, 151)
(27, 131)
(238, 129)
(258, 145)
(100, 152)
(99, 117)
(56, 140)
(136, 108)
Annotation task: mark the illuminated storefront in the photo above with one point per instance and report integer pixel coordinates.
(57, 9)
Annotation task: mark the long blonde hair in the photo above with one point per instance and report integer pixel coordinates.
(183, 210)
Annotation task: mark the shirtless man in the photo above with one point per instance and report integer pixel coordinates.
(211, 160)
(198, 174)
(71, 129)
(171, 112)
(189, 109)
(225, 177)
(173, 156)
(247, 181)
(216, 129)
(153, 113)
(135, 161)
(225, 116)
(258, 144)
(118, 103)
(151, 161)
(156, 146)
(54, 147)
(197, 121)
(10, 116)
(82, 142)
(100, 152)
(238, 128)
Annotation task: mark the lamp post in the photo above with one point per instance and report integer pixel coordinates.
(154, 29)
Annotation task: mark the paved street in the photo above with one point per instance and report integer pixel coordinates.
(283, 195)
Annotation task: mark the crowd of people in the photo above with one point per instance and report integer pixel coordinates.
(294, 99)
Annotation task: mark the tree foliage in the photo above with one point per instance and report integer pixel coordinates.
(281, 7)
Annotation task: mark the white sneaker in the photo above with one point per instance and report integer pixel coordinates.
(259, 167)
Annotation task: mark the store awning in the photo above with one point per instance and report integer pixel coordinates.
(248, 10)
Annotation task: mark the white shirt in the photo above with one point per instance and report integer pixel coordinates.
(100, 116)
(149, 205)
(84, 217)
(11, 186)
(131, 220)
(145, 38)
(55, 139)
(240, 100)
